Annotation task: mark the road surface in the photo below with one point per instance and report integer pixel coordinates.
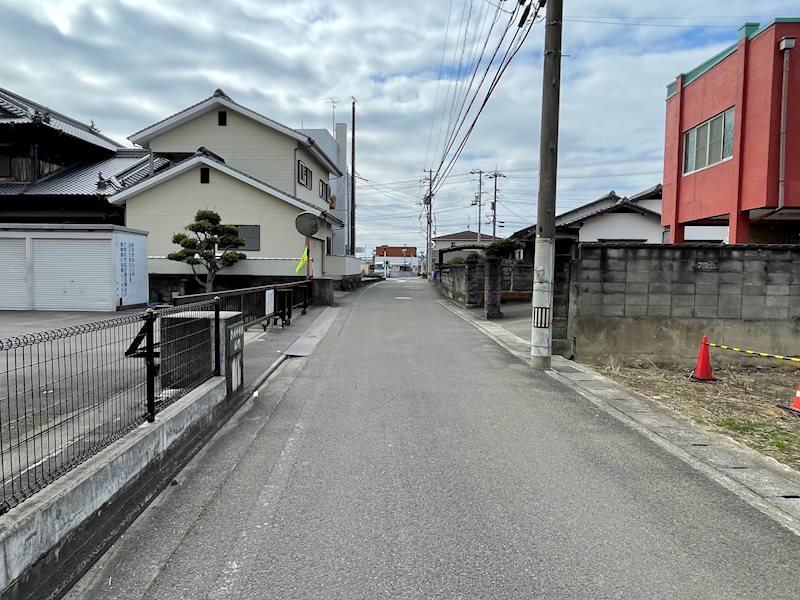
(411, 457)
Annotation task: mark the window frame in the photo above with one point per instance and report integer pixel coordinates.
(256, 247)
(304, 175)
(698, 143)
(324, 190)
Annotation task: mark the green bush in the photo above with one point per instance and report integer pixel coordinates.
(505, 248)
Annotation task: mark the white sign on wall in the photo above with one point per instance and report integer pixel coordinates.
(130, 267)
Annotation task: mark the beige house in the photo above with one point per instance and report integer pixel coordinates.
(255, 172)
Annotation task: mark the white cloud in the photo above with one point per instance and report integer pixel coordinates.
(126, 64)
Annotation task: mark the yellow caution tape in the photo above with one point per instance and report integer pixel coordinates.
(754, 353)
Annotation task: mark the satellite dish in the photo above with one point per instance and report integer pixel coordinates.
(307, 224)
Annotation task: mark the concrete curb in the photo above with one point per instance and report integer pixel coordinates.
(769, 486)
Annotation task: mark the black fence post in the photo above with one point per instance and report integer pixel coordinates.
(217, 358)
(150, 362)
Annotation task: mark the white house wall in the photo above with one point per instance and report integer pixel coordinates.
(318, 172)
(246, 145)
(168, 207)
(622, 226)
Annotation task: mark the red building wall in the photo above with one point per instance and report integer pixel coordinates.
(749, 80)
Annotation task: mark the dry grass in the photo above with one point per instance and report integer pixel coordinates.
(742, 403)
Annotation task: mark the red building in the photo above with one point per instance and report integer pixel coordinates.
(732, 149)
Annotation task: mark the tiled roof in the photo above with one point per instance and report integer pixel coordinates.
(471, 236)
(202, 155)
(12, 189)
(22, 110)
(125, 168)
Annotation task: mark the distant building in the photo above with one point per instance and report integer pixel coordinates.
(399, 258)
(726, 161)
(463, 239)
(612, 218)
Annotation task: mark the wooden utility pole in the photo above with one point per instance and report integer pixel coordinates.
(353, 184)
(544, 252)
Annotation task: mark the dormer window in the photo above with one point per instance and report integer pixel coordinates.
(304, 175)
(222, 118)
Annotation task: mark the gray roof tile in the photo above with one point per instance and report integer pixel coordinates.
(24, 110)
(126, 167)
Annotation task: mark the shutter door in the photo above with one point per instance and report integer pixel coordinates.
(72, 274)
(15, 289)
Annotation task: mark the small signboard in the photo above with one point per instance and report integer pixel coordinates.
(235, 339)
(269, 303)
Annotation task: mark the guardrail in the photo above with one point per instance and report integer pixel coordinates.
(68, 393)
(261, 303)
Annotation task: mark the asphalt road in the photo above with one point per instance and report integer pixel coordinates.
(411, 457)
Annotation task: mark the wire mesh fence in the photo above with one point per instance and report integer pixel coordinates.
(68, 393)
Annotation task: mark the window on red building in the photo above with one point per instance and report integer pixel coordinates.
(709, 143)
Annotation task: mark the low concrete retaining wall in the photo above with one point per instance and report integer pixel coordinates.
(54, 534)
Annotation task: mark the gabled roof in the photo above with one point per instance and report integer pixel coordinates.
(203, 157)
(14, 109)
(608, 203)
(465, 236)
(221, 100)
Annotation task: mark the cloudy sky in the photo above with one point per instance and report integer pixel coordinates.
(127, 63)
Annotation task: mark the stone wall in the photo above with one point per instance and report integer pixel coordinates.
(657, 301)
(464, 283)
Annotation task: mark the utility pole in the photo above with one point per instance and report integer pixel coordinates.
(353, 184)
(478, 198)
(428, 202)
(544, 257)
(494, 175)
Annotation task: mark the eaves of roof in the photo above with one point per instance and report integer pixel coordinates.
(124, 195)
(220, 99)
(28, 111)
(85, 179)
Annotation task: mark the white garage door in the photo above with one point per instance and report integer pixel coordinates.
(72, 275)
(15, 288)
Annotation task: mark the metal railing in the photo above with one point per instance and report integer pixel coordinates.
(68, 393)
(261, 303)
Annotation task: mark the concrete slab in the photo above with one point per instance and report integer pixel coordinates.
(20, 322)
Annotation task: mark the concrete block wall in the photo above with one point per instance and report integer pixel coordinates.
(656, 301)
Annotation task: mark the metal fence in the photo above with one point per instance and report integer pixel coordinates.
(68, 393)
(260, 304)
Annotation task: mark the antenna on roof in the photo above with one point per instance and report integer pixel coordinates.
(332, 101)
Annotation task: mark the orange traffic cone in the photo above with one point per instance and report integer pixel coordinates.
(795, 407)
(702, 370)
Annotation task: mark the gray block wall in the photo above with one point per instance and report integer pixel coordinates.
(669, 296)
